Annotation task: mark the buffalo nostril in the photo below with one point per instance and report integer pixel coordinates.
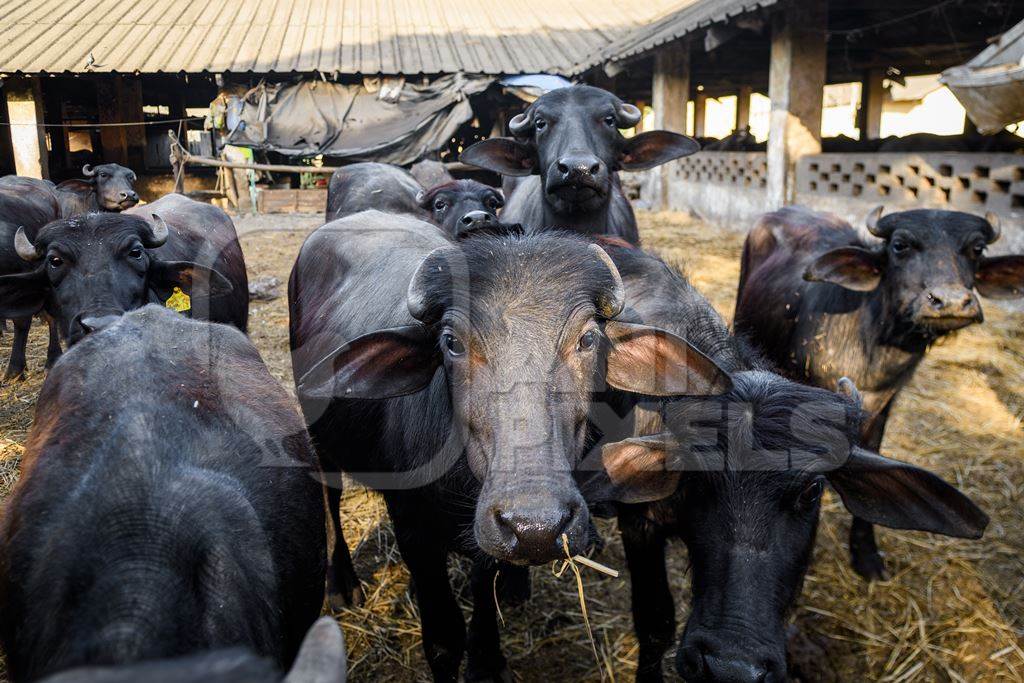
(563, 168)
(935, 301)
(595, 168)
(466, 220)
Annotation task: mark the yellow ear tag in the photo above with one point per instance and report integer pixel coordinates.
(179, 301)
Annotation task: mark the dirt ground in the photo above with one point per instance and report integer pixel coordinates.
(952, 610)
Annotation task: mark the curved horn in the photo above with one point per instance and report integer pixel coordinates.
(159, 232)
(612, 296)
(994, 223)
(88, 171)
(846, 387)
(520, 124)
(26, 250)
(433, 284)
(627, 115)
(872, 221)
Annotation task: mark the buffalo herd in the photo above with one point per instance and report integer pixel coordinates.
(501, 366)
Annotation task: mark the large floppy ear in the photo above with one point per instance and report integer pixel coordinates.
(901, 496)
(165, 275)
(383, 364)
(1001, 277)
(23, 295)
(321, 658)
(850, 267)
(501, 155)
(635, 471)
(647, 360)
(654, 148)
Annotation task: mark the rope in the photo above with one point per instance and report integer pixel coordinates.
(104, 125)
(897, 20)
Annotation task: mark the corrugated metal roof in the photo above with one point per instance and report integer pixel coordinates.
(343, 36)
(688, 16)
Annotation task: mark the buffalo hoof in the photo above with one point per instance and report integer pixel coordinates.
(501, 674)
(337, 601)
(869, 565)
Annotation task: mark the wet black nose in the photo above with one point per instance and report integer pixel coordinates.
(129, 196)
(574, 166)
(708, 664)
(533, 532)
(95, 323)
(476, 219)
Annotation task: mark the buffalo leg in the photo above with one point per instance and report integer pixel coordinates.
(16, 365)
(343, 587)
(864, 556)
(53, 350)
(654, 613)
(484, 661)
(426, 556)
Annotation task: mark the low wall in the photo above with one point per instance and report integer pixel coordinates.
(728, 188)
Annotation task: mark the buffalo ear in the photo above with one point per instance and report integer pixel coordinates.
(165, 275)
(901, 496)
(637, 470)
(1001, 277)
(501, 155)
(383, 364)
(654, 148)
(23, 294)
(850, 267)
(647, 360)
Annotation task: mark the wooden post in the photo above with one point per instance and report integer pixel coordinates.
(796, 86)
(700, 110)
(670, 90)
(58, 134)
(6, 144)
(28, 136)
(131, 111)
(177, 163)
(872, 97)
(743, 107)
(113, 139)
(671, 87)
(639, 128)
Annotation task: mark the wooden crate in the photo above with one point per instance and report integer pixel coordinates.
(291, 201)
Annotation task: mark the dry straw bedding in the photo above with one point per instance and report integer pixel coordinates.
(952, 610)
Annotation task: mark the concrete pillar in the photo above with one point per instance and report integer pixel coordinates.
(743, 107)
(872, 96)
(671, 87)
(113, 139)
(796, 86)
(28, 138)
(700, 111)
(670, 91)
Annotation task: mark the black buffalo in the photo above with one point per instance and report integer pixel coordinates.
(462, 206)
(107, 187)
(455, 377)
(169, 504)
(25, 203)
(824, 304)
(569, 138)
(321, 659)
(372, 185)
(91, 268)
(741, 475)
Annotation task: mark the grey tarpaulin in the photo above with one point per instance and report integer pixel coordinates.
(390, 121)
(991, 86)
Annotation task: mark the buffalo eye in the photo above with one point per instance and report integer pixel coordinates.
(452, 344)
(978, 249)
(540, 124)
(440, 205)
(104, 175)
(587, 341)
(56, 262)
(900, 248)
(492, 203)
(610, 121)
(136, 252)
(811, 494)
